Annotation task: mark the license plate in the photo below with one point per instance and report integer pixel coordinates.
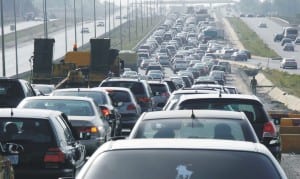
(14, 159)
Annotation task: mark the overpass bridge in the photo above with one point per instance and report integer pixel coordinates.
(190, 2)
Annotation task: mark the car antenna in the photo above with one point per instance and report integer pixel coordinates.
(193, 117)
(11, 112)
(78, 90)
(220, 94)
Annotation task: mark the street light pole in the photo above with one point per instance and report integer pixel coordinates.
(95, 19)
(16, 39)
(147, 4)
(75, 23)
(45, 19)
(81, 1)
(142, 16)
(113, 14)
(66, 34)
(121, 39)
(109, 18)
(2, 40)
(128, 21)
(136, 19)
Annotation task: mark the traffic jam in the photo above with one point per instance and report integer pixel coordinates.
(177, 117)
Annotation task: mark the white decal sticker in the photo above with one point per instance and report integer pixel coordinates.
(183, 172)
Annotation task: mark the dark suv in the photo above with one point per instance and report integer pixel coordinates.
(249, 104)
(140, 89)
(51, 147)
(12, 91)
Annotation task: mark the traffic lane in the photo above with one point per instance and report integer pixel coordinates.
(267, 35)
(26, 49)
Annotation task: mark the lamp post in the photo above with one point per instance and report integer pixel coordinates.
(75, 22)
(121, 39)
(82, 40)
(16, 40)
(136, 19)
(2, 40)
(45, 19)
(142, 16)
(109, 18)
(95, 32)
(128, 21)
(66, 34)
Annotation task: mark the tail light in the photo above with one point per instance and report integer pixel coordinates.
(92, 129)
(54, 155)
(269, 130)
(131, 107)
(144, 99)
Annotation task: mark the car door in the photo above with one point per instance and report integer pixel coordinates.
(78, 150)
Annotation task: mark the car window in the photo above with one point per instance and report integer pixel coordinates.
(254, 108)
(135, 87)
(11, 89)
(172, 164)
(69, 107)
(193, 128)
(158, 88)
(99, 97)
(67, 130)
(27, 130)
(60, 132)
(119, 96)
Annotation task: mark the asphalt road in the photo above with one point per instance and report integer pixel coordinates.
(267, 35)
(26, 49)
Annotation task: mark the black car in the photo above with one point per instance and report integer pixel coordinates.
(51, 147)
(140, 89)
(249, 104)
(12, 91)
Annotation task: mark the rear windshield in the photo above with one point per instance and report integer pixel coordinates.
(135, 87)
(25, 130)
(119, 96)
(98, 97)
(178, 164)
(69, 107)
(253, 109)
(158, 88)
(230, 129)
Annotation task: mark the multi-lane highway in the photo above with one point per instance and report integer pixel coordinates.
(267, 35)
(25, 50)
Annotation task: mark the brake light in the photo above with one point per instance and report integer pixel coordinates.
(91, 129)
(131, 107)
(105, 112)
(54, 155)
(144, 99)
(269, 130)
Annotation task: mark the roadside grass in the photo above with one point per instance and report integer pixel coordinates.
(289, 83)
(250, 39)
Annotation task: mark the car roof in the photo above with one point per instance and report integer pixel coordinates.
(122, 79)
(197, 113)
(212, 144)
(223, 96)
(27, 113)
(81, 89)
(194, 91)
(60, 97)
(114, 88)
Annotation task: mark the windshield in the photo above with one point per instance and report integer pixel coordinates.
(173, 164)
(98, 97)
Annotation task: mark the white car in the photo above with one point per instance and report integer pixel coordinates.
(85, 30)
(262, 25)
(288, 63)
(181, 158)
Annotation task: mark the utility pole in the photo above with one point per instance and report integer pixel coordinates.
(105, 16)
(2, 40)
(147, 4)
(113, 14)
(16, 39)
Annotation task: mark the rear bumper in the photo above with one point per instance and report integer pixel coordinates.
(128, 120)
(43, 173)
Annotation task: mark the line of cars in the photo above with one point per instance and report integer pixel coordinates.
(177, 126)
(201, 132)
